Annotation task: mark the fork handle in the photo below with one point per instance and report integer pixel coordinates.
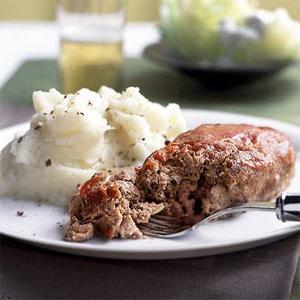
(288, 207)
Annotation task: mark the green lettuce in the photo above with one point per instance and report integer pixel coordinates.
(191, 29)
(280, 42)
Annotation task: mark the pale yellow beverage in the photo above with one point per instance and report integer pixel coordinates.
(90, 65)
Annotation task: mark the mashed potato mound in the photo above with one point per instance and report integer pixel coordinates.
(72, 136)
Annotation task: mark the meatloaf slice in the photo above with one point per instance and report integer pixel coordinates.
(216, 166)
(108, 204)
(203, 170)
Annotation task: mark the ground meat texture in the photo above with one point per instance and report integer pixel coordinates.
(217, 166)
(208, 168)
(110, 205)
(79, 232)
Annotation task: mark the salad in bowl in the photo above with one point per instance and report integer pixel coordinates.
(227, 32)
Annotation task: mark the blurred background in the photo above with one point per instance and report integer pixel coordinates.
(138, 10)
(34, 58)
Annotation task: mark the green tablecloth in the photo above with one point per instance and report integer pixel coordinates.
(278, 98)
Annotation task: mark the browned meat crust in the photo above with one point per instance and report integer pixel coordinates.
(216, 166)
(112, 205)
(203, 170)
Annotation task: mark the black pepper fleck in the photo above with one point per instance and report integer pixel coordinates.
(107, 109)
(37, 127)
(82, 113)
(48, 162)
(143, 139)
(20, 213)
(52, 111)
(167, 142)
(65, 96)
(20, 139)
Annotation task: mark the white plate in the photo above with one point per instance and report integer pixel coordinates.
(40, 225)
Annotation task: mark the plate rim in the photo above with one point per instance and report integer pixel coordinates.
(162, 252)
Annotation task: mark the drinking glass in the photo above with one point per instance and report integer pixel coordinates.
(91, 33)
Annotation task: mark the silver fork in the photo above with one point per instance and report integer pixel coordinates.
(286, 207)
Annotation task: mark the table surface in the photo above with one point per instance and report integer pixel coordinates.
(40, 40)
(36, 45)
(278, 98)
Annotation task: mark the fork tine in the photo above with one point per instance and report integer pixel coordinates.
(165, 229)
(148, 231)
(156, 233)
(153, 226)
(153, 232)
(165, 218)
(160, 226)
(161, 217)
(164, 222)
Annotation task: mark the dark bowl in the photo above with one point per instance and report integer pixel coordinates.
(211, 75)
